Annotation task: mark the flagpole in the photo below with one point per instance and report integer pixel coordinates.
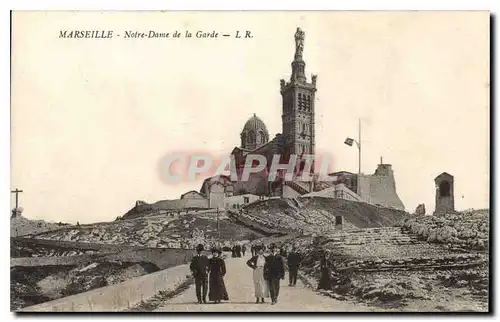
(359, 146)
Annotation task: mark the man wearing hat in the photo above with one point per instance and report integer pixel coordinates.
(199, 269)
(274, 271)
(293, 261)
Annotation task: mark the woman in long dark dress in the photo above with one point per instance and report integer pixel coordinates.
(325, 281)
(217, 289)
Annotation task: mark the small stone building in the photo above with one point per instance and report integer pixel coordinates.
(445, 201)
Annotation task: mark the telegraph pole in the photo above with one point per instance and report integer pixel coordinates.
(349, 141)
(218, 226)
(359, 146)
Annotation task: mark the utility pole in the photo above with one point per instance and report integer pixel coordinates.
(349, 141)
(359, 146)
(218, 226)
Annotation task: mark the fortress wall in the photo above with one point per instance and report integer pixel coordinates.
(380, 190)
(364, 187)
(182, 203)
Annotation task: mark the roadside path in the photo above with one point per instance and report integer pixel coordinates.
(239, 286)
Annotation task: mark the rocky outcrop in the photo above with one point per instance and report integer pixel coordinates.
(420, 210)
(469, 230)
(20, 226)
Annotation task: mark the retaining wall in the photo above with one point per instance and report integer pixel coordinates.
(118, 297)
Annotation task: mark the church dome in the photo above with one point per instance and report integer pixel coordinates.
(255, 123)
(254, 134)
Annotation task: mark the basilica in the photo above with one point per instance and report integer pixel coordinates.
(296, 138)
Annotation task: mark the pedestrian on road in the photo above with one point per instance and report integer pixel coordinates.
(217, 268)
(261, 286)
(238, 250)
(274, 271)
(252, 249)
(325, 280)
(293, 261)
(233, 251)
(243, 250)
(199, 269)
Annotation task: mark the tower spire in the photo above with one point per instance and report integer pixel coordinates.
(298, 64)
(299, 44)
(298, 105)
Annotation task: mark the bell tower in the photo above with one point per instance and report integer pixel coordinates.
(298, 104)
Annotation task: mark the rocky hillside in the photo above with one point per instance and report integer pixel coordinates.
(467, 230)
(183, 231)
(317, 214)
(20, 226)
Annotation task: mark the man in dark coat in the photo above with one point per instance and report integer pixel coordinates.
(274, 271)
(243, 250)
(293, 266)
(238, 250)
(199, 269)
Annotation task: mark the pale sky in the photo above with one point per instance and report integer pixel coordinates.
(93, 118)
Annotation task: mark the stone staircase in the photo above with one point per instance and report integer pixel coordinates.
(387, 243)
(383, 235)
(300, 187)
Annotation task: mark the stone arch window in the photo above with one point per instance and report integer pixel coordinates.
(261, 137)
(444, 189)
(301, 102)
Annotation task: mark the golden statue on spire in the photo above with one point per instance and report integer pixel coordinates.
(299, 42)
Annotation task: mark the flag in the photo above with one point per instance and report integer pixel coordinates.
(349, 141)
